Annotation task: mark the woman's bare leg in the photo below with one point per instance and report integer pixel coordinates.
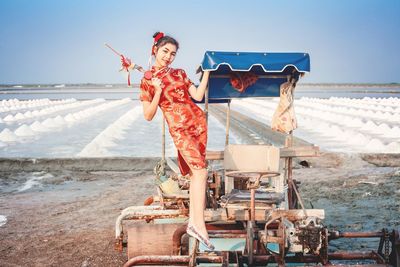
(198, 183)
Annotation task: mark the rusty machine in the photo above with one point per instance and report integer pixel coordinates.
(255, 215)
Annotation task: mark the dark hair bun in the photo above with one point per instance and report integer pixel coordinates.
(154, 35)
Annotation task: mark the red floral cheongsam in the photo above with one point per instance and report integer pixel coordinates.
(186, 121)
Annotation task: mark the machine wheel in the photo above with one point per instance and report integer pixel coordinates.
(151, 239)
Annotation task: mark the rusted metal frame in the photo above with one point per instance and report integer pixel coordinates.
(252, 205)
(351, 265)
(165, 260)
(381, 256)
(288, 173)
(238, 258)
(249, 248)
(352, 256)
(257, 259)
(180, 231)
(177, 239)
(233, 214)
(217, 179)
(227, 233)
(264, 259)
(225, 259)
(336, 234)
(299, 199)
(193, 253)
(152, 217)
(395, 254)
(119, 243)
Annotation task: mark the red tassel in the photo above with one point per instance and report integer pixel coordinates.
(129, 79)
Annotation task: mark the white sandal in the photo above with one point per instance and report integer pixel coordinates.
(190, 230)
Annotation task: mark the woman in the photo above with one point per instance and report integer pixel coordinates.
(171, 89)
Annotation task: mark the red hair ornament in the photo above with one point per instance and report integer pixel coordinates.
(158, 37)
(148, 74)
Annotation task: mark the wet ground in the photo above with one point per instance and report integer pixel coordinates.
(66, 218)
(356, 196)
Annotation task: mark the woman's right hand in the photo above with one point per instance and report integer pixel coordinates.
(157, 85)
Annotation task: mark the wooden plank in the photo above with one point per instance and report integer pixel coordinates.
(285, 152)
(299, 151)
(214, 155)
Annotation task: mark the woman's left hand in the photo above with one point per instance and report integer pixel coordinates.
(157, 85)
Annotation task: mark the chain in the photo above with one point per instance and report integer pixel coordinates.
(386, 245)
(159, 170)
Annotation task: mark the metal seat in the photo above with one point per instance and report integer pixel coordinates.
(250, 162)
(244, 196)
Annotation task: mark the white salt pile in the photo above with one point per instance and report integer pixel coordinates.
(338, 124)
(106, 139)
(24, 130)
(8, 136)
(37, 127)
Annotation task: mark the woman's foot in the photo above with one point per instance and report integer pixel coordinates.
(192, 231)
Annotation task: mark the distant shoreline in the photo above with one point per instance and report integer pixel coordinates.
(347, 85)
(136, 85)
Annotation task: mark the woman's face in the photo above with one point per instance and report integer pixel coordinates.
(165, 55)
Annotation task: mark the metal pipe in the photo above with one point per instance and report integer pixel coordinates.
(257, 259)
(352, 256)
(171, 260)
(229, 232)
(264, 259)
(164, 260)
(252, 205)
(336, 234)
(228, 235)
(177, 239)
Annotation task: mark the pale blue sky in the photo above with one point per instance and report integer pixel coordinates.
(47, 41)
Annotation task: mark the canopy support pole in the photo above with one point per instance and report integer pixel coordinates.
(228, 121)
(206, 104)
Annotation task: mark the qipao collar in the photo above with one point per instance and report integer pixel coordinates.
(156, 72)
(160, 72)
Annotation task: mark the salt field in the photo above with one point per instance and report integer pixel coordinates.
(70, 127)
(337, 124)
(85, 128)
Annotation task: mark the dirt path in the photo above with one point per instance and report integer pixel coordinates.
(69, 219)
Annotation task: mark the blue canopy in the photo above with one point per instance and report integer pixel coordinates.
(272, 70)
(222, 62)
